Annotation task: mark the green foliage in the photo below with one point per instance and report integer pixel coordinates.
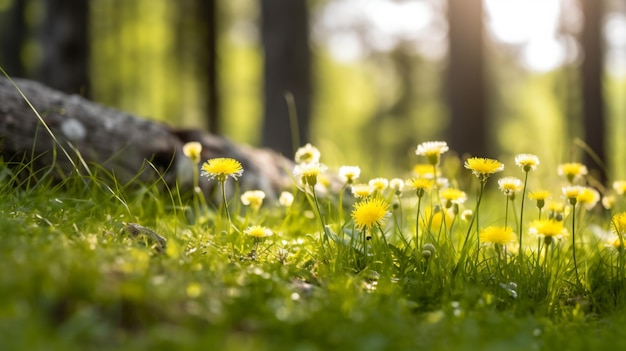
(85, 267)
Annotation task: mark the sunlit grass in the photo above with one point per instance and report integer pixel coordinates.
(90, 261)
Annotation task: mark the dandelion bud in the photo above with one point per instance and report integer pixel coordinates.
(429, 247)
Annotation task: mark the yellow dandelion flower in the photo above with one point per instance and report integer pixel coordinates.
(193, 151)
(432, 150)
(572, 170)
(540, 196)
(528, 162)
(258, 231)
(307, 154)
(370, 212)
(557, 210)
(253, 198)
(379, 184)
(483, 167)
(571, 193)
(420, 185)
(222, 168)
(424, 170)
(451, 196)
(619, 186)
(617, 244)
(348, 174)
(588, 197)
(548, 228)
(309, 172)
(396, 184)
(362, 190)
(510, 185)
(497, 235)
(618, 223)
(435, 218)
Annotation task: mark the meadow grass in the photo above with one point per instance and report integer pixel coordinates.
(84, 266)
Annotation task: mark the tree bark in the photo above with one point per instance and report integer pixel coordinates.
(118, 142)
(196, 51)
(285, 34)
(12, 37)
(64, 38)
(467, 131)
(591, 71)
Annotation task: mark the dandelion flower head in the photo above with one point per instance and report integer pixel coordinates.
(540, 196)
(438, 218)
(618, 223)
(510, 185)
(497, 235)
(379, 184)
(308, 172)
(528, 162)
(424, 170)
(362, 190)
(253, 198)
(370, 212)
(588, 197)
(420, 185)
(348, 174)
(307, 154)
(483, 167)
(397, 185)
(548, 228)
(571, 193)
(193, 151)
(452, 196)
(557, 210)
(432, 150)
(222, 168)
(258, 231)
(572, 170)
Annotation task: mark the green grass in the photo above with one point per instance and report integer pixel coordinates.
(75, 278)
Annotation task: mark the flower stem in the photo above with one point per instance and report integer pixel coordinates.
(319, 213)
(574, 242)
(223, 186)
(417, 223)
(469, 230)
(506, 212)
(521, 218)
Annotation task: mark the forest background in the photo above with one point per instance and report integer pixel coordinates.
(370, 78)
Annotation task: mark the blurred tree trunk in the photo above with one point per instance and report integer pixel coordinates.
(467, 131)
(12, 37)
(64, 38)
(209, 11)
(285, 35)
(196, 50)
(591, 71)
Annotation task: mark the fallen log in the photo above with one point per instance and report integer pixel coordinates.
(119, 142)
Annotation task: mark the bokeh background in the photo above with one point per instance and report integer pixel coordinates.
(364, 80)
